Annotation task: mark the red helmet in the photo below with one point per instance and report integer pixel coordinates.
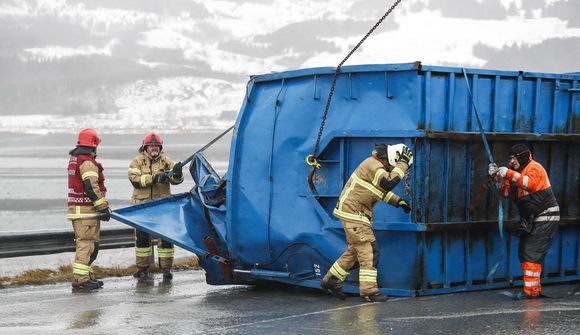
(152, 139)
(88, 138)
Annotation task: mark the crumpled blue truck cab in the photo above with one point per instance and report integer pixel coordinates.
(262, 222)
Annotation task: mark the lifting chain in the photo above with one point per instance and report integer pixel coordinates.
(312, 158)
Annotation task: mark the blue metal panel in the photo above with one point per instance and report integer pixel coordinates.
(278, 229)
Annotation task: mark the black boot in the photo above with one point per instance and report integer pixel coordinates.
(330, 284)
(141, 273)
(87, 286)
(523, 296)
(375, 298)
(167, 275)
(100, 282)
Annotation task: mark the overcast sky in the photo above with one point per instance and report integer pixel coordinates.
(120, 57)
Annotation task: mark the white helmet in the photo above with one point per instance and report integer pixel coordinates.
(393, 153)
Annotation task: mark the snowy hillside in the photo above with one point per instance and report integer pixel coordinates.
(169, 104)
(129, 65)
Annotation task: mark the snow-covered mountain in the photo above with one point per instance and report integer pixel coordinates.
(171, 104)
(128, 65)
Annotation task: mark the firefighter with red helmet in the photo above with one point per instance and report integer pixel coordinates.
(371, 182)
(526, 183)
(151, 172)
(87, 205)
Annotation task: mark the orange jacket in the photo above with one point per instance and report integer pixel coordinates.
(530, 189)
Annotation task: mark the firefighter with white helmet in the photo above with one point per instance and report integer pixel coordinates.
(151, 172)
(87, 205)
(371, 182)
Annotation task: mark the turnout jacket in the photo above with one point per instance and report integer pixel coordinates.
(86, 185)
(368, 184)
(141, 172)
(530, 189)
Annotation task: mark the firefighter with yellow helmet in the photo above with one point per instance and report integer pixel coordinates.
(87, 205)
(371, 182)
(151, 172)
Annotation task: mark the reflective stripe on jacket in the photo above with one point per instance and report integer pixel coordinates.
(363, 190)
(141, 172)
(530, 189)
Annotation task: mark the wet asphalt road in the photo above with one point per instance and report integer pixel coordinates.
(190, 306)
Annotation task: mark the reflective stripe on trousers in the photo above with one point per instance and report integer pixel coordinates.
(143, 252)
(81, 269)
(532, 273)
(338, 272)
(165, 252)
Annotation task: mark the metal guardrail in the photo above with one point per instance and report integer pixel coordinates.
(57, 241)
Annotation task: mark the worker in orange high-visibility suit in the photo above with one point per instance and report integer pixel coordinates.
(86, 207)
(527, 184)
(371, 182)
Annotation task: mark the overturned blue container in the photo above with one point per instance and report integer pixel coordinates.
(262, 222)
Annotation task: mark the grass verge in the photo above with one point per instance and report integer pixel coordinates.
(64, 273)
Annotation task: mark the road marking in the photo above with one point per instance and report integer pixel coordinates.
(299, 315)
(472, 314)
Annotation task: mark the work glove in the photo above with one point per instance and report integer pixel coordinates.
(502, 171)
(177, 170)
(406, 156)
(160, 178)
(105, 214)
(404, 205)
(492, 169)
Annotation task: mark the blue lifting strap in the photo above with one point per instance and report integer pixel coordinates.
(491, 160)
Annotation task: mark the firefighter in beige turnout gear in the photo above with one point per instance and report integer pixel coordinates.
(86, 207)
(148, 175)
(372, 181)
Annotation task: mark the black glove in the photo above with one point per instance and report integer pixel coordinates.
(177, 170)
(524, 227)
(404, 205)
(160, 178)
(405, 156)
(105, 214)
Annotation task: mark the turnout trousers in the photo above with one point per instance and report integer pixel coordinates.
(87, 235)
(362, 252)
(144, 251)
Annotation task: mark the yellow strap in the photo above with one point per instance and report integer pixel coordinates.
(165, 252)
(378, 176)
(338, 272)
(78, 215)
(366, 275)
(350, 216)
(81, 269)
(388, 196)
(368, 186)
(135, 171)
(89, 174)
(400, 172)
(143, 252)
(143, 181)
(367, 279)
(81, 216)
(99, 202)
(368, 272)
(343, 198)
